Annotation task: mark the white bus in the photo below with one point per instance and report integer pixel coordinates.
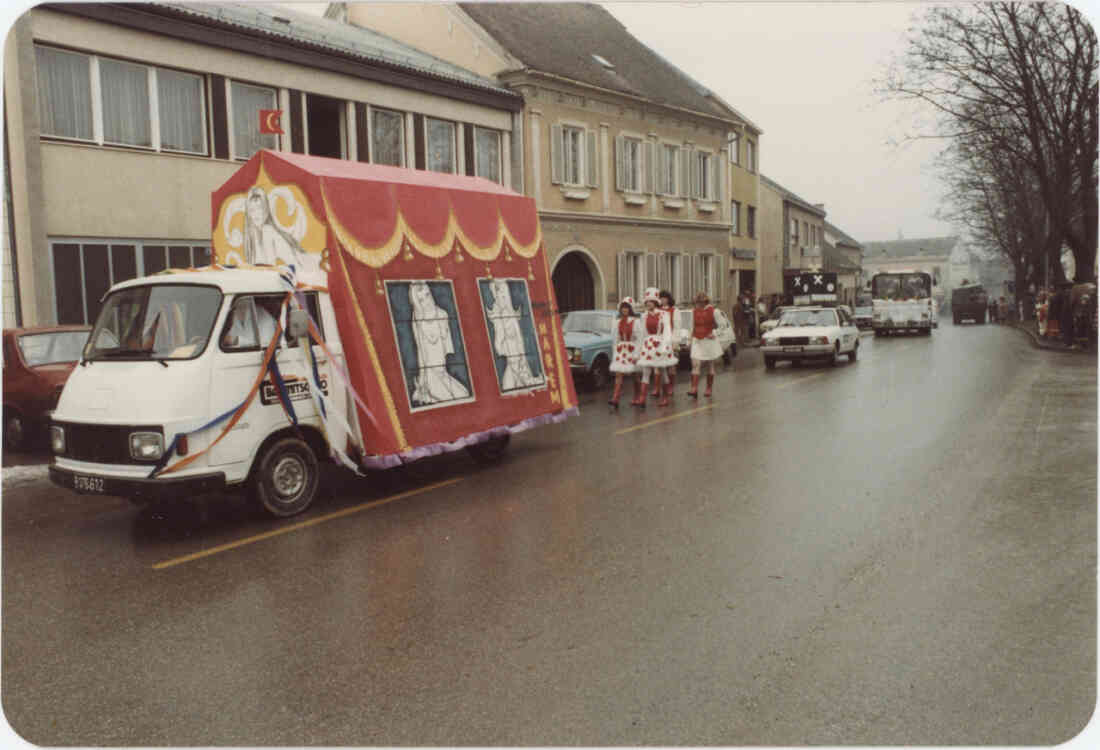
(901, 301)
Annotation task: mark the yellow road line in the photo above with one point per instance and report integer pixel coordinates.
(799, 380)
(300, 525)
(664, 419)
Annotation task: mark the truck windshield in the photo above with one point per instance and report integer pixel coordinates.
(799, 318)
(157, 321)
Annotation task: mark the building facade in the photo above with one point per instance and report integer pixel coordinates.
(844, 256)
(122, 119)
(796, 233)
(746, 256)
(625, 156)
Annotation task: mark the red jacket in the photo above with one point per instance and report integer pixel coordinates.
(704, 322)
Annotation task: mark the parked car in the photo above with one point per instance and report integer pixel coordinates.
(37, 362)
(804, 333)
(589, 336)
(681, 335)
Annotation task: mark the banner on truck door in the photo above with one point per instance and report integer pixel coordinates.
(440, 284)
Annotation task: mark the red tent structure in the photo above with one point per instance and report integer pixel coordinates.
(440, 284)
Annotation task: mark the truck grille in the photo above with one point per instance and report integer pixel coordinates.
(104, 444)
(794, 340)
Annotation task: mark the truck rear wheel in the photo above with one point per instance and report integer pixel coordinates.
(286, 478)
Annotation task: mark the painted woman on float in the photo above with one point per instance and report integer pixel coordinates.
(431, 329)
(508, 340)
(627, 347)
(668, 304)
(656, 354)
(705, 348)
(265, 241)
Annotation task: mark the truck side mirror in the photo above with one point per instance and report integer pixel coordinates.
(297, 324)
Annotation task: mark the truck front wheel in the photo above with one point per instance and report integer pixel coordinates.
(286, 478)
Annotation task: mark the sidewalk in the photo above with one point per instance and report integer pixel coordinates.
(1031, 328)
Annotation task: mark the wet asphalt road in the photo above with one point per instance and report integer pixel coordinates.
(900, 550)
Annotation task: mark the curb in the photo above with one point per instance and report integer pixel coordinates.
(1039, 344)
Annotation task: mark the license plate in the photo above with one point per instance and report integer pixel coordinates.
(86, 483)
(792, 348)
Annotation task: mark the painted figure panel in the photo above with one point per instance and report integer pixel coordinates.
(507, 307)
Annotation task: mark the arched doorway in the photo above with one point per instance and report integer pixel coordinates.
(573, 283)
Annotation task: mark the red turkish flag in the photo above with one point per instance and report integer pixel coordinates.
(269, 121)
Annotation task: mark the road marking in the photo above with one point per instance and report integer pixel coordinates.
(799, 380)
(301, 525)
(664, 419)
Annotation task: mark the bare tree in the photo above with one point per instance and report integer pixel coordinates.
(1014, 88)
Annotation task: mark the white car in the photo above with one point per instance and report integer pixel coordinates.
(685, 322)
(811, 333)
(773, 320)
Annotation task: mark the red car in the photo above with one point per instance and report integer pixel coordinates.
(37, 362)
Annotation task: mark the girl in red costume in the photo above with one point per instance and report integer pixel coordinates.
(705, 348)
(657, 348)
(627, 347)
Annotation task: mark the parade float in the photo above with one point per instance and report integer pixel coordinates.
(371, 314)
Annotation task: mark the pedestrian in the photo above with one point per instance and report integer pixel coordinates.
(1066, 315)
(750, 318)
(1054, 314)
(992, 309)
(1041, 312)
(668, 304)
(656, 355)
(705, 348)
(628, 345)
(740, 327)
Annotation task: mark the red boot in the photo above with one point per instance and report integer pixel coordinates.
(668, 388)
(710, 384)
(656, 386)
(639, 394)
(614, 400)
(694, 392)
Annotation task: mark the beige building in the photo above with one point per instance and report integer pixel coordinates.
(120, 120)
(844, 255)
(625, 156)
(795, 235)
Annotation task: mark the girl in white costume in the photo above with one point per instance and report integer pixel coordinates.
(705, 349)
(627, 347)
(657, 347)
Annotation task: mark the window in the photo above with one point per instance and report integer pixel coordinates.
(750, 155)
(805, 232)
(735, 148)
(252, 322)
(935, 275)
(573, 156)
(125, 91)
(387, 137)
(247, 102)
(440, 140)
(181, 117)
(705, 177)
(64, 93)
(130, 105)
(751, 221)
(487, 157)
(708, 270)
(735, 217)
(83, 270)
(794, 233)
(629, 167)
(631, 276)
(668, 169)
(676, 278)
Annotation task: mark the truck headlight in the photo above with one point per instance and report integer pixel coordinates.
(771, 341)
(57, 439)
(819, 339)
(146, 446)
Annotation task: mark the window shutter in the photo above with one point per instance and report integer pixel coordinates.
(696, 274)
(592, 164)
(648, 166)
(694, 191)
(715, 175)
(650, 269)
(687, 154)
(624, 286)
(618, 162)
(555, 154)
(662, 169)
(662, 271)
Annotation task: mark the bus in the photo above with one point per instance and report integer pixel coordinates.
(901, 302)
